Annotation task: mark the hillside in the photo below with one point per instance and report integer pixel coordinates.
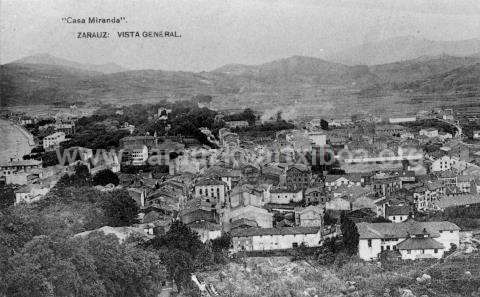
(44, 84)
(464, 80)
(38, 83)
(299, 69)
(401, 49)
(47, 59)
(285, 82)
(419, 68)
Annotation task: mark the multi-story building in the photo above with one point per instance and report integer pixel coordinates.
(52, 141)
(385, 185)
(136, 155)
(212, 188)
(298, 176)
(442, 164)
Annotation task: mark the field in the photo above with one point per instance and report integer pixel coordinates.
(278, 276)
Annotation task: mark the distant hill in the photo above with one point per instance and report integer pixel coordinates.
(282, 81)
(463, 80)
(419, 68)
(300, 69)
(55, 61)
(44, 84)
(401, 49)
(39, 83)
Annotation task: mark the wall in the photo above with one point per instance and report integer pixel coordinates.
(447, 237)
(368, 253)
(418, 254)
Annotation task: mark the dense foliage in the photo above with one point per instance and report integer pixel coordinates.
(105, 177)
(96, 265)
(349, 234)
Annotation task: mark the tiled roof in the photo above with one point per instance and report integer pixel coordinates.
(419, 244)
(398, 210)
(402, 230)
(458, 200)
(314, 189)
(274, 231)
(210, 182)
(301, 167)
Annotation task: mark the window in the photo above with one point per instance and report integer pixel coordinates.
(388, 247)
(382, 248)
(369, 243)
(294, 245)
(409, 251)
(423, 251)
(435, 251)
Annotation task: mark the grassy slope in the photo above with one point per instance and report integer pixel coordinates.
(281, 277)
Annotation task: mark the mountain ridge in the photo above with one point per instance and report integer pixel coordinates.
(48, 59)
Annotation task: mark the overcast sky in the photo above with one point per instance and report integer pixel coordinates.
(218, 32)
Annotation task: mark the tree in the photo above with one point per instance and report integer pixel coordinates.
(328, 219)
(7, 196)
(223, 242)
(95, 265)
(120, 209)
(324, 124)
(349, 233)
(105, 177)
(179, 237)
(179, 265)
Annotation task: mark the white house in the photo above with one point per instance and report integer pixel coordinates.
(398, 214)
(338, 204)
(206, 230)
(139, 154)
(442, 164)
(261, 216)
(429, 132)
(247, 195)
(413, 240)
(444, 136)
(335, 181)
(402, 120)
(317, 138)
(310, 216)
(285, 195)
(53, 140)
(31, 193)
(476, 134)
(265, 239)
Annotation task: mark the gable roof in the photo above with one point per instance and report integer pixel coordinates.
(398, 210)
(301, 167)
(403, 230)
(419, 244)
